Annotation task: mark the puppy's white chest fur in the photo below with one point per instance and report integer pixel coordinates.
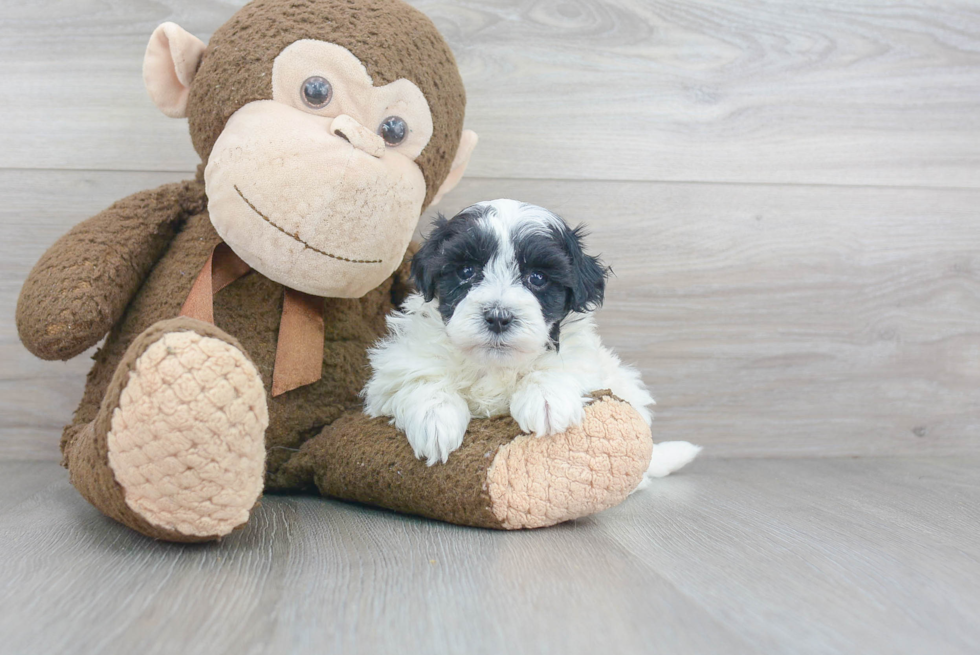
(489, 395)
(432, 388)
(418, 351)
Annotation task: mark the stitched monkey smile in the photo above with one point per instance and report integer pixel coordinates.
(293, 236)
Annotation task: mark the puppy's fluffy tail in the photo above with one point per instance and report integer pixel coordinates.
(668, 457)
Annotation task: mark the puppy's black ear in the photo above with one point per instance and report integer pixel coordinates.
(588, 274)
(427, 262)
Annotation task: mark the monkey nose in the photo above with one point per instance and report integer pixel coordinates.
(357, 135)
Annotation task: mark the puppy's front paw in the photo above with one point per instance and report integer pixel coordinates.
(437, 429)
(547, 409)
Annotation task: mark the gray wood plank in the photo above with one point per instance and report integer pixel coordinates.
(309, 575)
(834, 556)
(801, 556)
(768, 320)
(869, 92)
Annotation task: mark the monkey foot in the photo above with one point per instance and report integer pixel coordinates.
(177, 451)
(187, 442)
(536, 482)
(494, 480)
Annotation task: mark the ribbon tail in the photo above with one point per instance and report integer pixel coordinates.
(200, 301)
(299, 351)
(221, 269)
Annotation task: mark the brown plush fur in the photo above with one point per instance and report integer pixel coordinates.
(392, 39)
(387, 473)
(80, 287)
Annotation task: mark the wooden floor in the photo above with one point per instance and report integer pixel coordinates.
(731, 556)
(789, 194)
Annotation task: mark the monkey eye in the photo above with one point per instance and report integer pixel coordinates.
(393, 130)
(536, 280)
(317, 92)
(467, 272)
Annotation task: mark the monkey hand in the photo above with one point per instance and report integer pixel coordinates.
(80, 287)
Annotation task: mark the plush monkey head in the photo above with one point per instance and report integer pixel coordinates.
(326, 127)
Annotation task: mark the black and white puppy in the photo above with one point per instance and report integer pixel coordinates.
(502, 324)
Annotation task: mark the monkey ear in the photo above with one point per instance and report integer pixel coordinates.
(169, 66)
(467, 142)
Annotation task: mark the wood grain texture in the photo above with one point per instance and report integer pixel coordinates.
(768, 321)
(791, 556)
(868, 92)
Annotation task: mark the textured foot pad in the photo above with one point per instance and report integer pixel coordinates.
(187, 441)
(536, 482)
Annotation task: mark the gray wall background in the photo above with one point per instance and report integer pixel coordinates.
(787, 191)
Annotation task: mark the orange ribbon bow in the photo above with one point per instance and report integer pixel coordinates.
(299, 350)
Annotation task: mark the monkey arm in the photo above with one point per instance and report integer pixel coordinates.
(80, 287)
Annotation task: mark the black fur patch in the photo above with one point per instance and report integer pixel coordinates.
(450, 247)
(576, 281)
(588, 288)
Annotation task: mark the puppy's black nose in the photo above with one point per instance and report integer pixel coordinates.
(498, 320)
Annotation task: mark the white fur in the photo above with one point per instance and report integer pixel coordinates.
(433, 376)
(419, 374)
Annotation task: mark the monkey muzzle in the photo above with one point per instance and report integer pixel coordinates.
(315, 203)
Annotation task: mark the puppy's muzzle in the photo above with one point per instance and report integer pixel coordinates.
(498, 320)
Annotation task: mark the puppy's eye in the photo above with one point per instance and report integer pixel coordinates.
(467, 272)
(536, 280)
(317, 92)
(393, 130)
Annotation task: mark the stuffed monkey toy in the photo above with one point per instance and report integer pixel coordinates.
(237, 308)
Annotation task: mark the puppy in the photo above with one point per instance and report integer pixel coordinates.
(502, 324)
